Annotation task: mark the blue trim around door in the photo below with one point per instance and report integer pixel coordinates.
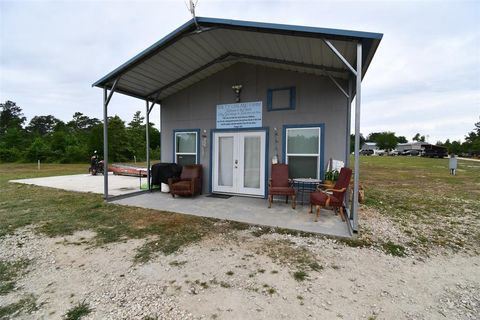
(174, 145)
(322, 143)
(267, 131)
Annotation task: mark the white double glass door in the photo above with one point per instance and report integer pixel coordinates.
(239, 162)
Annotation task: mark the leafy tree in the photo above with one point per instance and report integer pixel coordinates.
(11, 116)
(418, 138)
(38, 150)
(386, 141)
(472, 141)
(402, 139)
(80, 122)
(455, 147)
(43, 125)
(136, 134)
(119, 148)
(137, 121)
(372, 136)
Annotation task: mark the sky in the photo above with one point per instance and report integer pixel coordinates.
(425, 76)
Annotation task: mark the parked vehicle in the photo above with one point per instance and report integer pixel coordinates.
(96, 165)
(393, 153)
(432, 153)
(411, 152)
(366, 152)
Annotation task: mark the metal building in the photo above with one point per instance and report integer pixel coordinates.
(235, 95)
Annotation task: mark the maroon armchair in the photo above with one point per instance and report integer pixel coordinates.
(189, 183)
(278, 185)
(332, 197)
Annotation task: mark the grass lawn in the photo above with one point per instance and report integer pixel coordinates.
(430, 207)
(55, 212)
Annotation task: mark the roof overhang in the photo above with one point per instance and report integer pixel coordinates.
(190, 54)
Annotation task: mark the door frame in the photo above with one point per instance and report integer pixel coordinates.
(267, 160)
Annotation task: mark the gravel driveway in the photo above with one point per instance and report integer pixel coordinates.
(239, 276)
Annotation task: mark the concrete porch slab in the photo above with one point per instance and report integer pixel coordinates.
(243, 209)
(118, 185)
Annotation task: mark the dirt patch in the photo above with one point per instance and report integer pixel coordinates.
(239, 276)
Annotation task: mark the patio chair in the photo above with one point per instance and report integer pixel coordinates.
(332, 197)
(278, 185)
(189, 183)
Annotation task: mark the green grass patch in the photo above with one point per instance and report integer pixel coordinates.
(300, 275)
(176, 263)
(355, 242)
(10, 271)
(422, 198)
(26, 305)
(298, 258)
(394, 249)
(79, 311)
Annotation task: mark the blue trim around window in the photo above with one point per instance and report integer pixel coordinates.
(293, 99)
(267, 131)
(174, 146)
(321, 172)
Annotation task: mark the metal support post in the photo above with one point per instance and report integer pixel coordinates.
(106, 100)
(105, 144)
(160, 106)
(347, 148)
(356, 176)
(147, 138)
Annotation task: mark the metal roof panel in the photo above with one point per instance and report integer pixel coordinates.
(188, 55)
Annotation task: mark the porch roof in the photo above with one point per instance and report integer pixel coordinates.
(203, 47)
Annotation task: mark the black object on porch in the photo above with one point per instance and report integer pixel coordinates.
(162, 171)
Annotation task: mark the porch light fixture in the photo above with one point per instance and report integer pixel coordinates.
(237, 88)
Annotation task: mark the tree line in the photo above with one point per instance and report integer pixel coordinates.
(388, 141)
(49, 139)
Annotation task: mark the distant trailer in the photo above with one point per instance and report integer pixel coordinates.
(434, 151)
(127, 170)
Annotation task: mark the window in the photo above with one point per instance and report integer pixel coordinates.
(303, 151)
(186, 147)
(281, 99)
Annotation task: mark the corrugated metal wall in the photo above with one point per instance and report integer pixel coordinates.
(317, 101)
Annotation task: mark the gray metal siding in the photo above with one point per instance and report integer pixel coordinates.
(318, 100)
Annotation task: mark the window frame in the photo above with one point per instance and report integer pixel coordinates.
(293, 98)
(320, 155)
(197, 144)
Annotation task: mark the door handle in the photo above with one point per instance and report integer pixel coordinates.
(236, 161)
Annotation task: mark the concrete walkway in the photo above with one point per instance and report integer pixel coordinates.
(243, 209)
(118, 185)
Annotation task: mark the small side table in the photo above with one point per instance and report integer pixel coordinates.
(304, 187)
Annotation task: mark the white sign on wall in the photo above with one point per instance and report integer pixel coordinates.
(239, 115)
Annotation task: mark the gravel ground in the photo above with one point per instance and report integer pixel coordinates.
(239, 276)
